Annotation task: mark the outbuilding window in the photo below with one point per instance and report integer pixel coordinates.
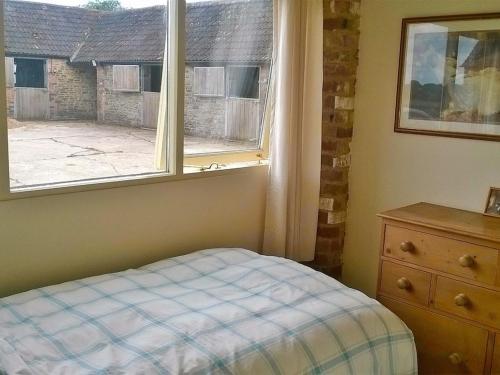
(126, 78)
(243, 82)
(151, 77)
(208, 81)
(30, 73)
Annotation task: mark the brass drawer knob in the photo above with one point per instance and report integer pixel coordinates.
(466, 260)
(404, 283)
(407, 246)
(461, 300)
(455, 358)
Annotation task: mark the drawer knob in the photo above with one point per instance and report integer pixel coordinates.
(404, 283)
(466, 260)
(461, 300)
(407, 246)
(455, 358)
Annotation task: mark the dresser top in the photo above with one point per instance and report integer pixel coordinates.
(450, 219)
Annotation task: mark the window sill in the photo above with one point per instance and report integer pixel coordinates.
(190, 173)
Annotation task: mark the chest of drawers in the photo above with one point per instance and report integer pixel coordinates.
(440, 273)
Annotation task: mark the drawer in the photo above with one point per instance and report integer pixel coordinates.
(495, 367)
(443, 254)
(444, 345)
(404, 282)
(468, 301)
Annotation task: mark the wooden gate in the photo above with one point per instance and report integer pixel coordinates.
(32, 103)
(242, 119)
(150, 108)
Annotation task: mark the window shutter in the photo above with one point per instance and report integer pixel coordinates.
(209, 81)
(10, 78)
(126, 78)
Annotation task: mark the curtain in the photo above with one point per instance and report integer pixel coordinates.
(295, 142)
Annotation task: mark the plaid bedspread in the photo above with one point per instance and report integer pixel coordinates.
(228, 311)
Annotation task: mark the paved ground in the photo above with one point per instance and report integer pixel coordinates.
(50, 152)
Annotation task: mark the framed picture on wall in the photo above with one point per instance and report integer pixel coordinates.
(449, 77)
(493, 203)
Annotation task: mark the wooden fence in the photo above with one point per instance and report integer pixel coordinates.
(242, 119)
(32, 103)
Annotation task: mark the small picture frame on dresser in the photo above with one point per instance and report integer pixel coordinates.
(493, 203)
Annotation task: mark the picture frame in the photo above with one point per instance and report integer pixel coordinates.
(492, 207)
(449, 77)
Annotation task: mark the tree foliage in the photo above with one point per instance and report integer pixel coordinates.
(109, 5)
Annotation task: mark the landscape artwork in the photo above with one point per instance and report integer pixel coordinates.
(449, 80)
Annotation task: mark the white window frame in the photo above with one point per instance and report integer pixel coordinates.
(170, 133)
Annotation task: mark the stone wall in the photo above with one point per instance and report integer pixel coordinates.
(116, 107)
(206, 116)
(11, 100)
(340, 59)
(72, 91)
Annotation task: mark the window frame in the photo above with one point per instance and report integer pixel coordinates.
(170, 135)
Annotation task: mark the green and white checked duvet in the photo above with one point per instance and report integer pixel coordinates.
(220, 311)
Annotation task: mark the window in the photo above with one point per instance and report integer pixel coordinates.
(243, 82)
(114, 99)
(151, 77)
(126, 78)
(209, 81)
(30, 73)
(226, 123)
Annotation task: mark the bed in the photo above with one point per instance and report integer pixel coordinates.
(220, 311)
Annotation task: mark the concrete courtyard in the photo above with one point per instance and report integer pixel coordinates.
(50, 152)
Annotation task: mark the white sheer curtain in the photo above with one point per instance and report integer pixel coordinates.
(295, 148)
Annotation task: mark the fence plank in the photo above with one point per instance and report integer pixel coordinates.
(32, 103)
(242, 119)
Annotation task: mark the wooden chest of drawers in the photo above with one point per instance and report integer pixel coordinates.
(440, 273)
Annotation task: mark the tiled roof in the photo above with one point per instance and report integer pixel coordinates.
(217, 31)
(229, 31)
(36, 29)
(485, 54)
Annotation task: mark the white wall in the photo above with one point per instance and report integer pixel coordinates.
(391, 169)
(57, 238)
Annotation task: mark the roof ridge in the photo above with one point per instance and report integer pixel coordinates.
(54, 5)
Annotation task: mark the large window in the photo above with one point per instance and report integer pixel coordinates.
(243, 82)
(30, 73)
(113, 98)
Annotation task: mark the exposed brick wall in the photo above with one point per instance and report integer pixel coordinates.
(340, 59)
(72, 91)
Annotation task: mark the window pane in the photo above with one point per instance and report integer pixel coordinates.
(83, 88)
(228, 59)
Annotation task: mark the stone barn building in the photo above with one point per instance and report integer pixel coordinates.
(69, 63)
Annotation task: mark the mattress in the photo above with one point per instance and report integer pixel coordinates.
(217, 311)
